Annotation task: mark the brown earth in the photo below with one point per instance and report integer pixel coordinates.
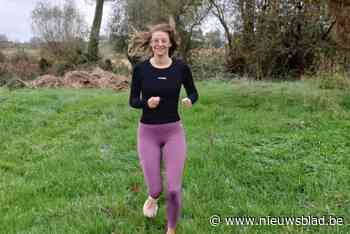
(98, 78)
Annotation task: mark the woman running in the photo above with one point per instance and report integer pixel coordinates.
(155, 87)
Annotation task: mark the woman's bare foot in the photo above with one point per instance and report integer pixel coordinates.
(150, 207)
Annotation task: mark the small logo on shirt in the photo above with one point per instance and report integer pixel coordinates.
(161, 78)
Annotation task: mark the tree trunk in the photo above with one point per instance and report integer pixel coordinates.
(248, 17)
(340, 9)
(95, 32)
(185, 38)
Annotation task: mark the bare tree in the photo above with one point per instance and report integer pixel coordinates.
(59, 27)
(214, 39)
(95, 30)
(118, 28)
(247, 10)
(340, 10)
(188, 15)
(224, 11)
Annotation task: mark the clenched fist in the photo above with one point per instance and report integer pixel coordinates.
(187, 102)
(153, 102)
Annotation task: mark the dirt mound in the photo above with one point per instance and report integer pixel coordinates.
(105, 79)
(78, 79)
(47, 81)
(98, 78)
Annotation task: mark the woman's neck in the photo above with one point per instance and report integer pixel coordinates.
(161, 61)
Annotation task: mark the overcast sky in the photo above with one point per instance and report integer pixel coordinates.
(15, 19)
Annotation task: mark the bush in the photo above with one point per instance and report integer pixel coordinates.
(20, 65)
(106, 65)
(334, 81)
(235, 64)
(120, 43)
(2, 57)
(74, 55)
(61, 29)
(71, 52)
(26, 69)
(207, 63)
(5, 75)
(121, 70)
(20, 56)
(44, 65)
(61, 67)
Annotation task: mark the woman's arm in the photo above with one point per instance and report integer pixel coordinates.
(188, 83)
(135, 100)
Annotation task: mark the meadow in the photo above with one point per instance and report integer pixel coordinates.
(68, 159)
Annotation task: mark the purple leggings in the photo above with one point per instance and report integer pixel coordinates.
(170, 138)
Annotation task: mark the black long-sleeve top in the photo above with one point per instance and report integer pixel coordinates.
(149, 81)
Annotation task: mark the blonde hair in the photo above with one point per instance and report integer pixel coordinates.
(167, 28)
(141, 40)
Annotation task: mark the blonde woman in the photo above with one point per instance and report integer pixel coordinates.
(155, 88)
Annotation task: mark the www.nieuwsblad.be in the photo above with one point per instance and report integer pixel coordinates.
(270, 220)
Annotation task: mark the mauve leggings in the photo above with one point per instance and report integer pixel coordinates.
(170, 138)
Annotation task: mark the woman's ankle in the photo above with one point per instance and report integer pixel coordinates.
(153, 199)
(171, 230)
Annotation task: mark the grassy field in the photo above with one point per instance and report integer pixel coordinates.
(10, 52)
(68, 160)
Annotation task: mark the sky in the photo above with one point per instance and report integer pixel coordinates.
(15, 17)
(15, 20)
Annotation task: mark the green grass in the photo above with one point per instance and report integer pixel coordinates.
(68, 160)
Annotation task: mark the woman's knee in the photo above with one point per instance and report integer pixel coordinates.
(174, 194)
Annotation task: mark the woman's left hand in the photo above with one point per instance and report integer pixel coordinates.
(187, 102)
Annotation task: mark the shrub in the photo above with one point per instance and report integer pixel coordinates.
(44, 65)
(5, 75)
(121, 70)
(334, 81)
(19, 65)
(106, 65)
(207, 63)
(25, 69)
(20, 56)
(61, 67)
(2, 57)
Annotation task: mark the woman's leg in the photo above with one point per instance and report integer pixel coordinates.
(150, 156)
(174, 156)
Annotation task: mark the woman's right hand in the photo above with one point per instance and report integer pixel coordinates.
(153, 102)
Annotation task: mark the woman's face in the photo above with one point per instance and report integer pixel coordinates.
(160, 43)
